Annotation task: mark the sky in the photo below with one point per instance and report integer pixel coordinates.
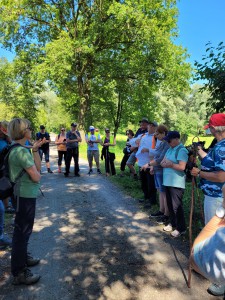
(199, 22)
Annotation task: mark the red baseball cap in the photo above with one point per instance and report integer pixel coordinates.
(216, 120)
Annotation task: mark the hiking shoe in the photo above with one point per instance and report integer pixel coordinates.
(50, 171)
(77, 175)
(162, 220)
(156, 214)
(99, 171)
(177, 233)
(216, 289)
(26, 277)
(66, 174)
(5, 241)
(31, 261)
(168, 228)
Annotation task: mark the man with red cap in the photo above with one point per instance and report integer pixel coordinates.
(212, 176)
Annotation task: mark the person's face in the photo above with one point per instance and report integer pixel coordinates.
(43, 130)
(28, 131)
(151, 128)
(62, 130)
(159, 135)
(92, 131)
(73, 128)
(144, 125)
(107, 132)
(174, 142)
(212, 130)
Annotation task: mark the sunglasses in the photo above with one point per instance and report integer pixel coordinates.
(62, 129)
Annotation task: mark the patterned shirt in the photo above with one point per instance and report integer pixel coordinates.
(214, 161)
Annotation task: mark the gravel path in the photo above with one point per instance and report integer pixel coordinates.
(96, 243)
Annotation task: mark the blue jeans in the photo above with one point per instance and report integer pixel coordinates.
(2, 211)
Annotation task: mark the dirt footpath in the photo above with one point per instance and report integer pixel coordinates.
(96, 243)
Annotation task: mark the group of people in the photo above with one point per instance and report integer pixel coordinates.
(161, 158)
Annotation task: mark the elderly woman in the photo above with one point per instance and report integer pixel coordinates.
(21, 159)
(174, 164)
(162, 215)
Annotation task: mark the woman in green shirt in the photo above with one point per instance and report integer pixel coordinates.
(22, 160)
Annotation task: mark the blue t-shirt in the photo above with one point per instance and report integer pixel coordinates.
(93, 137)
(173, 177)
(212, 162)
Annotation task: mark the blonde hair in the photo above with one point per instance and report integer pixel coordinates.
(17, 128)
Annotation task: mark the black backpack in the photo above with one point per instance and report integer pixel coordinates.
(6, 186)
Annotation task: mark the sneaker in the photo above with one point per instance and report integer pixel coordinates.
(156, 214)
(141, 200)
(26, 277)
(168, 228)
(216, 289)
(50, 171)
(77, 175)
(162, 220)
(31, 261)
(177, 233)
(66, 174)
(9, 210)
(5, 241)
(99, 171)
(90, 172)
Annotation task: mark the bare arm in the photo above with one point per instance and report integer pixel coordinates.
(211, 176)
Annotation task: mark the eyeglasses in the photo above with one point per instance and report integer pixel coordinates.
(30, 128)
(62, 129)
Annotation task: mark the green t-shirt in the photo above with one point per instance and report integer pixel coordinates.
(20, 158)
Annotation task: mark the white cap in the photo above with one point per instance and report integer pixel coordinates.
(91, 128)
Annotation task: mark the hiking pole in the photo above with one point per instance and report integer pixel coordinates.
(190, 226)
(193, 185)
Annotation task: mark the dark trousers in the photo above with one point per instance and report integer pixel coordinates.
(174, 198)
(24, 222)
(61, 155)
(123, 162)
(148, 186)
(72, 153)
(109, 163)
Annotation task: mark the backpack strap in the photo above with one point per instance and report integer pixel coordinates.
(177, 150)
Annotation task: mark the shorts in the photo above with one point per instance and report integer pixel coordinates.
(132, 159)
(45, 152)
(91, 154)
(159, 182)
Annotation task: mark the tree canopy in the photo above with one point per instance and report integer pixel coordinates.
(103, 58)
(212, 70)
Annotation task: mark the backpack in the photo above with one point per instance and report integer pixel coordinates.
(7, 187)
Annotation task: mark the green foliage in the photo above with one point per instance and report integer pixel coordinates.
(212, 70)
(104, 59)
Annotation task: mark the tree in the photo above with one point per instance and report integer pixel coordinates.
(213, 71)
(76, 45)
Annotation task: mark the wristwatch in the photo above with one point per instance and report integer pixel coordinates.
(220, 212)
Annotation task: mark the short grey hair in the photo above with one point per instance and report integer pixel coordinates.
(17, 128)
(219, 128)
